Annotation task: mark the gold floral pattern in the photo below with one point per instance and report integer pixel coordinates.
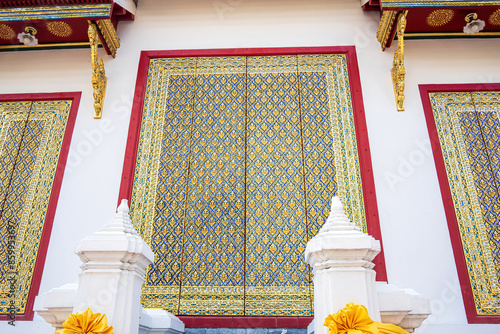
(440, 17)
(6, 32)
(495, 18)
(59, 29)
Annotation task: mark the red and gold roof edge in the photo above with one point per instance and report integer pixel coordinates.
(429, 19)
(61, 22)
(35, 3)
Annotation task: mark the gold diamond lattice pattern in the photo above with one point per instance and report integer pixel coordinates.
(238, 158)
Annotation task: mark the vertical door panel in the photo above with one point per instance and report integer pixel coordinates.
(277, 276)
(214, 233)
(167, 231)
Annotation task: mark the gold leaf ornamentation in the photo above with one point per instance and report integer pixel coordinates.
(87, 322)
(495, 18)
(398, 69)
(385, 27)
(59, 29)
(440, 17)
(6, 32)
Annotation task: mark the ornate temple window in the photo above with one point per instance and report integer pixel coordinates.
(230, 168)
(35, 133)
(464, 128)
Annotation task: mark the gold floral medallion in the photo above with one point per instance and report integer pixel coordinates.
(59, 29)
(440, 17)
(495, 18)
(6, 32)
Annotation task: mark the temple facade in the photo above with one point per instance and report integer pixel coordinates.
(229, 125)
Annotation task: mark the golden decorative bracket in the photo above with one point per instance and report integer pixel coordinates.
(398, 65)
(385, 28)
(99, 79)
(108, 33)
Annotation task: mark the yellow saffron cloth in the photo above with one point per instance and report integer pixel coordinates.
(86, 322)
(354, 319)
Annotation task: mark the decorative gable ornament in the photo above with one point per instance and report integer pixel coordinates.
(28, 37)
(474, 27)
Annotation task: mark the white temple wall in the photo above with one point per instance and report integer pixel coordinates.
(415, 234)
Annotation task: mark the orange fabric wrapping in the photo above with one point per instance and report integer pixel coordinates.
(87, 323)
(354, 319)
(390, 329)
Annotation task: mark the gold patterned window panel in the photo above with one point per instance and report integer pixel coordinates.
(468, 128)
(31, 137)
(237, 160)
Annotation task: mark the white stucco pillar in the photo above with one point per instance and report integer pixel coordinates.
(114, 259)
(340, 255)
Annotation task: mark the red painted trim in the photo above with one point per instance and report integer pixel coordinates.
(54, 195)
(365, 162)
(373, 223)
(134, 130)
(456, 241)
(245, 322)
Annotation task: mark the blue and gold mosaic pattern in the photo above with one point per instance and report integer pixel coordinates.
(171, 191)
(469, 133)
(213, 256)
(276, 217)
(317, 147)
(236, 156)
(31, 135)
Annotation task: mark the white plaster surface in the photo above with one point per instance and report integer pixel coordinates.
(156, 321)
(415, 235)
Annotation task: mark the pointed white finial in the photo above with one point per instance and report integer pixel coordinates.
(121, 221)
(337, 220)
(123, 207)
(336, 204)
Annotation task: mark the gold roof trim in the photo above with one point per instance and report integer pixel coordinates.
(390, 4)
(55, 12)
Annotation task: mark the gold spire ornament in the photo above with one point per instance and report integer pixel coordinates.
(86, 322)
(99, 79)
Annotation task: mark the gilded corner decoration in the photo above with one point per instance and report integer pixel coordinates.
(99, 79)
(389, 20)
(398, 65)
(385, 28)
(111, 41)
(104, 31)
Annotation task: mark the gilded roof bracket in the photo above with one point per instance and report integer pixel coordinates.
(109, 36)
(398, 65)
(99, 79)
(385, 27)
